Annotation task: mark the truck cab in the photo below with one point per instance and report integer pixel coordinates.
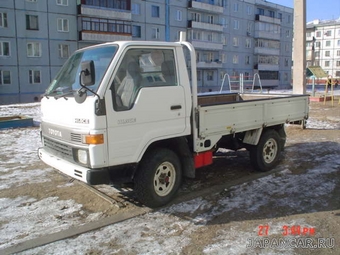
(112, 104)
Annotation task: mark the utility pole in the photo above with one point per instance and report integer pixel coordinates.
(299, 46)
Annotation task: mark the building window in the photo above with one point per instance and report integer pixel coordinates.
(269, 75)
(328, 43)
(64, 51)
(235, 7)
(34, 76)
(247, 60)
(338, 53)
(279, 16)
(338, 42)
(179, 15)
(249, 10)
(327, 53)
(154, 11)
(135, 9)
(327, 63)
(248, 43)
(286, 62)
(235, 41)
(285, 77)
(106, 25)
(136, 31)
(5, 77)
(337, 63)
(337, 73)
(33, 49)
(318, 44)
(235, 59)
(62, 2)
(209, 57)
(260, 11)
(287, 33)
(209, 37)
(249, 27)
(211, 19)
(224, 22)
(317, 54)
(196, 35)
(224, 40)
(210, 75)
(3, 19)
(196, 17)
(155, 33)
(4, 49)
(114, 4)
(32, 22)
(271, 14)
(289, 19)
(328, 33)
(224, 58)
(236, 24)
(318, 34)
(62, 25)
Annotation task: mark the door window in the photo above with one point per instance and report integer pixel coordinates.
(142, 68)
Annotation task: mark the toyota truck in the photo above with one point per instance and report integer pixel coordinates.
(129, 112)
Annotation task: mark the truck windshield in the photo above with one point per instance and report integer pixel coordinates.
(67, 80)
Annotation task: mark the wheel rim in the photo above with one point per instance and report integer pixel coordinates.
(270, 151)
(164, 179)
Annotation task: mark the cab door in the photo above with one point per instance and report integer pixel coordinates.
(146, 104)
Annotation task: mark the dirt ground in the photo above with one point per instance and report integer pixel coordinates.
(323, 217)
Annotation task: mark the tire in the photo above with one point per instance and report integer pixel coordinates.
(266, 154)
(158, 177)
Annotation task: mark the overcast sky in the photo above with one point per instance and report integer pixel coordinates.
(324, 10)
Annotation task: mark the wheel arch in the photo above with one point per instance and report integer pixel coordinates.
(180, 146)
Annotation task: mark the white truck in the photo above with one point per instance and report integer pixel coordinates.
(127, 111)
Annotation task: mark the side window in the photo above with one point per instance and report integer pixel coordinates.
(142, 68)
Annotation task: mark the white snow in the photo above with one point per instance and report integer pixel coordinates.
(166, 231)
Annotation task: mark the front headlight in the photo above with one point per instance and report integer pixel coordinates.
(82, 156)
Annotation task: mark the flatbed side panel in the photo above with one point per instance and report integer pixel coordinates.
(248, 115)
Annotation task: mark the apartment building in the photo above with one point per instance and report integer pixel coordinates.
(323, 45)
(36, 37)
(231, 37)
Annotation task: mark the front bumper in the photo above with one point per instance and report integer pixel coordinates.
(84, 174)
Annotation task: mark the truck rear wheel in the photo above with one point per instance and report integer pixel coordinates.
(265, 155)
(158, 177)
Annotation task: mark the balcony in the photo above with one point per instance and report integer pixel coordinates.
(267, 19)
(209, 65)
(204, 7)
(96, 36)
(212, 46)
(266, 51)
(88, 10)
(266, 67)
(267, 35)
(205, 26)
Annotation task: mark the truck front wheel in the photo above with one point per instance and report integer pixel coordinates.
(265, 155)
(158, 177)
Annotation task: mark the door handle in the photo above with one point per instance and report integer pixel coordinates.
(175, 107)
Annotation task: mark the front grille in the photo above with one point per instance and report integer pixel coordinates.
(76, 138)
(60, 148)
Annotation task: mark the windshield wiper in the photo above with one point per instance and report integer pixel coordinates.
(64, 95)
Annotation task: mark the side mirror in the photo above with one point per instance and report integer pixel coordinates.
(87, 74)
